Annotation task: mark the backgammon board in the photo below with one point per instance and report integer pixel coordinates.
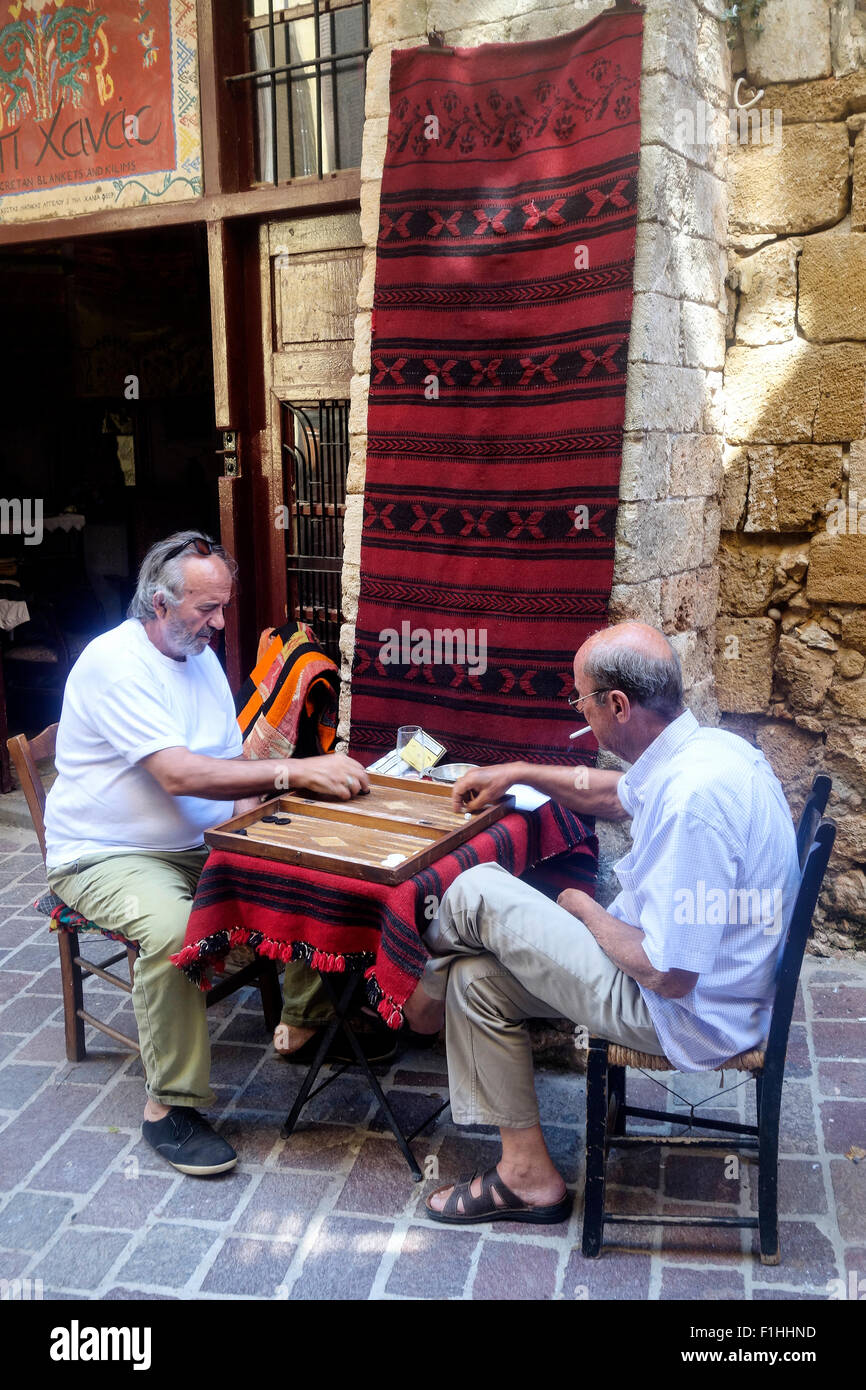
(397, 830)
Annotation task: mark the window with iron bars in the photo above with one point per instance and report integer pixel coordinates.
(315, 455)
(307, 70)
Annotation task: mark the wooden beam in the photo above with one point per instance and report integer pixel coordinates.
(334, 192)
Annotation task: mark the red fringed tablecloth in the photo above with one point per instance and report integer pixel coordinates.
(501, 319)
(337, 924)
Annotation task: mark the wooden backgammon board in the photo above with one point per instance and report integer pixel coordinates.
(400, 828)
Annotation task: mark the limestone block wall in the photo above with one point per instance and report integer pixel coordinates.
(791, 633)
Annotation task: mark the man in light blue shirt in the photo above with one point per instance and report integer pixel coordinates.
(681, 964)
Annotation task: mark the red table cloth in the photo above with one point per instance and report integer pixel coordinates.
(335, 923)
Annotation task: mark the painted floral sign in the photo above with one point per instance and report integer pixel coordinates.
(98, 105)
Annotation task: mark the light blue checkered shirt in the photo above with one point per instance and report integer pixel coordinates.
(710, 880)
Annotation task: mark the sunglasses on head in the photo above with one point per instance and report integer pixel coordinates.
(202, 547)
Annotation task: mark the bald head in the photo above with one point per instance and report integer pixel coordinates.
(638, 660)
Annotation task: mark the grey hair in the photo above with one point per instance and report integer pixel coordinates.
(655, 683)
(158, 575)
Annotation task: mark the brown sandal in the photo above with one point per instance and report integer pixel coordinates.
(484, 1207)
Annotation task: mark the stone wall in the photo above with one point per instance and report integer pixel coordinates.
(791, 633)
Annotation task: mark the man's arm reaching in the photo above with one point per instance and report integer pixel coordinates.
(622, 943)
(589, 791)
(182, 773)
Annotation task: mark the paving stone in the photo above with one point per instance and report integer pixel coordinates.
(799, 1014)
(616, 1274)
(232, 1063)
(79, 1162)
(213, 1200)
(801, 1187)
(701, 1178)
(700, 1244)
(33, 957)
(379, 1182)
(565, 1147)
(838, 1039)
(275, 1086)
(137, 1296)
(411, 1108)
(8, 1043)
(807, 1258)
(421, 1078)
(47, 1044)
(283, 1204)
(561, 1098)
(515, 1270)
(25, 1141)
(846, 1079)
(798, 1063)
(460, 1154)
(24, 1014)
(343, 1262)
(843, 1122)
(244, 1028)
(703, 1284)
(19, 1083)
(123, 1105)
(80, 1259)
(168, 1255)
(13, 1263)
(251, 1134)
(16, 931)
(433, 1263)
(841, 1001)
(15, 895)
(349, 1101)
(251, 1267)
(125, 1203)
(13, 982)
(781, 1295)
(696, 1088)
(849, 1189)
(29, 1219)
(330, 1148)
(97, 1068)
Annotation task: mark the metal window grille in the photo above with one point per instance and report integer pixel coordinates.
(307, 72)
(315, 451)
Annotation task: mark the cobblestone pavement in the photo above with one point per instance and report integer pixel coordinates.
(87, 1208)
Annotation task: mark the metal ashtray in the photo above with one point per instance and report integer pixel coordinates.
(451, 772)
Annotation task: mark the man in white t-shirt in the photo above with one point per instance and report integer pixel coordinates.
(148, 758)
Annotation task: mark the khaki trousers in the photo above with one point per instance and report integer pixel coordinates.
(147, 898)
(503, 953)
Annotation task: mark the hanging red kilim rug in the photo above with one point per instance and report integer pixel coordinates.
(500, 336)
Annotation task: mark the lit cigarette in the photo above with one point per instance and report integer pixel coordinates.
(579, 732)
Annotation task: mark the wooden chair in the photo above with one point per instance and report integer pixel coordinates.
(26, 754)
(607, 1111)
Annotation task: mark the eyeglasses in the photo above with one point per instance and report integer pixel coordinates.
(202, 547)
(576, 701)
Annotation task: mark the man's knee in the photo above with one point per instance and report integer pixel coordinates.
(161, 931)
(474, 886)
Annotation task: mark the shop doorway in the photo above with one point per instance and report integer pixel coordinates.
(108, 438)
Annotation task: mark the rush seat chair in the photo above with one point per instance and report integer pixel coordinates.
(26, 754)
(607, 1111)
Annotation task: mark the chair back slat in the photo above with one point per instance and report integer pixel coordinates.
(25, 754)
(817, 856)
(811, 814)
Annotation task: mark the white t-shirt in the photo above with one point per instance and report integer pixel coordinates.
(123, 701)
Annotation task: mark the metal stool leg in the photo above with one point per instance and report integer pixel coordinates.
(321, 1052)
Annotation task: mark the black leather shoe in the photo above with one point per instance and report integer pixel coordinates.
(186, 1141)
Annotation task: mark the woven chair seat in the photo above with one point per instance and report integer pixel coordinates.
(65, 918)
(618, 1056)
